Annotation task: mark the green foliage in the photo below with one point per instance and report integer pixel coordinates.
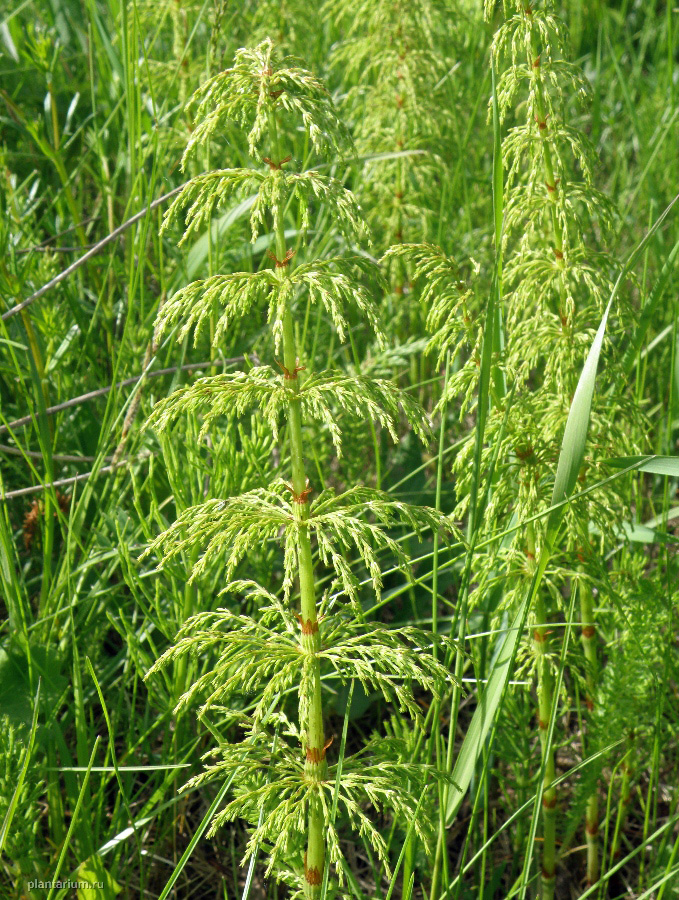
(19, 853)
(500, 244)
(368, 781)
(395, 52)
(254, 87)
(322, 397)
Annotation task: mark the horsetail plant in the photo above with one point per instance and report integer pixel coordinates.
(266, 656)
(395, 55)
(558, 287)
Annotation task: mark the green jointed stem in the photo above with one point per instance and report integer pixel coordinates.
(548, 163)
(315, 765)
(541, 634)
(545, 706)
(623, 803)
(545, 710)
(592, 671)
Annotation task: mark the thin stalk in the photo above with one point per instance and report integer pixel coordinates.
(408, 869)
(315, 767)
(623, 803)
(589, 644)
(541, 639)
(541, 644)
(548, 162)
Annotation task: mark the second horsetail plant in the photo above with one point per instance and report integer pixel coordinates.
(397, 55)
(558, 283)
(333, 544)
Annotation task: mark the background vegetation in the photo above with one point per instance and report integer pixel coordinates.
(516, 168)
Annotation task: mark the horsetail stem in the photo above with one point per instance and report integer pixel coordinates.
(589, 644)
(541, 642)
(549, 286)
(314, 738)
(545, 713)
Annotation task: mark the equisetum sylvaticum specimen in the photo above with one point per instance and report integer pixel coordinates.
(558, 282)
(396, 55)
(294, 798)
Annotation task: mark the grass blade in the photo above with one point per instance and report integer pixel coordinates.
(657, 465)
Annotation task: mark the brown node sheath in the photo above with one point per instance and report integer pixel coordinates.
(312, 875)
(308, 627)
(592, 829)
(276, 165)
(547, 874)
(314, 755)
(282, 263)
(538, 637)
(588, 631)
(287, 374)
(547, 803)
(557, 253)
(536, 62)
(303, 496)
